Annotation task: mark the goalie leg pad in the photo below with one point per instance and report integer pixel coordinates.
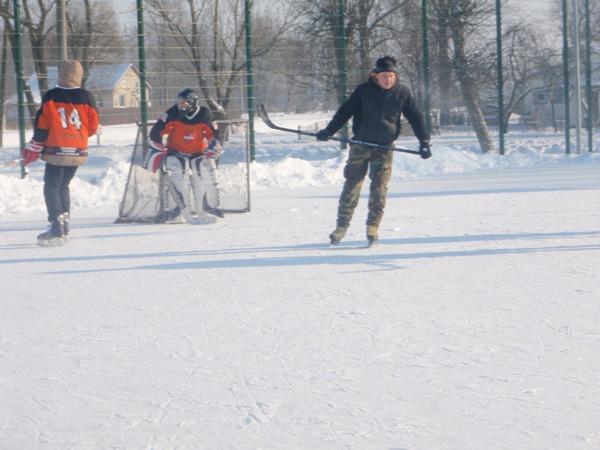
(200, 218)
(175, 167)
(198, 186)
(206, 172)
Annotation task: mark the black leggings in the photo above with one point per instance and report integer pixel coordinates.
(56, 189)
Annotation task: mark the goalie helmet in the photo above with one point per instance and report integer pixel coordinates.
(187, 102)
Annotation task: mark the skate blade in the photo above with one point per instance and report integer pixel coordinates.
(55, 242)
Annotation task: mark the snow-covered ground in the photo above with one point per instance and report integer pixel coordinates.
(474, 324)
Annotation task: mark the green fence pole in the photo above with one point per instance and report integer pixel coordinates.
(566, 76)
(142, 67)
(3, 71)
(426, 79)
(500, 75)
(61, 29)
(588, 77)
(342, 60)
(18, 57)
(249, 78)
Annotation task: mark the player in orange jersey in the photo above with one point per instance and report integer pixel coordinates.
(66, 119)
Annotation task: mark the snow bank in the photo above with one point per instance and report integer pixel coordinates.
(285, 162)
(20, 196)
(25, 196)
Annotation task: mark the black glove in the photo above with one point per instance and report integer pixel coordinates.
(424, 151)
(323, 135)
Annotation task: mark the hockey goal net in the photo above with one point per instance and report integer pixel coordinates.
(146, 198)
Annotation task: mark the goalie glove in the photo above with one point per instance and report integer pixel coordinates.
(156, 155)
(32, 151)
(214, 149)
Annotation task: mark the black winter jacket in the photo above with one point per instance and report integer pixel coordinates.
(377, 112)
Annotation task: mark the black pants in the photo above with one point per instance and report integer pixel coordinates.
(56, 189)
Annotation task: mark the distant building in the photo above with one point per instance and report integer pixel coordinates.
(544, 105)
(113, 85)
(116, 88)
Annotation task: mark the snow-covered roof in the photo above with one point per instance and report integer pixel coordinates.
(106, 77)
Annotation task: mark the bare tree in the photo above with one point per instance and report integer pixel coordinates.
(442, 60)
(371, 22)
(463, 17)
(368, 28)
(36, 22)
(94, 36)
(407, 45)
(524, 55)
(209, 40)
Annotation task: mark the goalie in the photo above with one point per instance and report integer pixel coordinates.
(191, 145)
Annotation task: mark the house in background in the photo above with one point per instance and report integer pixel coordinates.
(116, 89)
(115, 86)
(544, 105)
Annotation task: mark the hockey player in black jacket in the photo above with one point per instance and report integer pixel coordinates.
(376, 108)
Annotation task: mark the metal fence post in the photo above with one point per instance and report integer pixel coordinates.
(249, 77)
(500, 75)
(342, 60)
(565, 14)
(426, 80)
(3, 71)
(588, 77)
(142, 66)
(18, 57)
(577, 76)
(61, 29)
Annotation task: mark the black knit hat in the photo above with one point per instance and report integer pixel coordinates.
(385, 64)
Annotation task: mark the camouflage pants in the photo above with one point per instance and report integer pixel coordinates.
(379, 165)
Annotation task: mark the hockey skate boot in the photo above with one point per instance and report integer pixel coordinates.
(372, 234)
(54, 236)
(337, 235)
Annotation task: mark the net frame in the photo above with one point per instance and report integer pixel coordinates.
(146, 199)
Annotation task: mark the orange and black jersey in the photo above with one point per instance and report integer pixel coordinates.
(66, 118)
(185, 134)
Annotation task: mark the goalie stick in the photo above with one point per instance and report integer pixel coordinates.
(262, 113)
(201, 218)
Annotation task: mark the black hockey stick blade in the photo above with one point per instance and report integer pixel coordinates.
(262, 113)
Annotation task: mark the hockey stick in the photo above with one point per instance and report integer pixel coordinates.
(262, 113)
